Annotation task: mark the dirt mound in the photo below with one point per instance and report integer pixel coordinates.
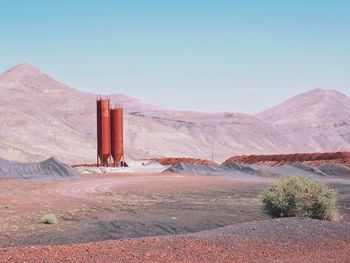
(210, 169)
(240, 167)
(279, 240)
(50, 168)
(175, 160)
(311, 159)
(249, 172)
(335, 169)
(290, 170)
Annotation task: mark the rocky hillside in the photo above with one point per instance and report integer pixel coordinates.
(318, 120)
(41, 117)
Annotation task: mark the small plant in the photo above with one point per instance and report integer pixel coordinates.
(300, 196)
(49, 219)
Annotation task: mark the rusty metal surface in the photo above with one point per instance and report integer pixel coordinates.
(117, 143)
(103, 131)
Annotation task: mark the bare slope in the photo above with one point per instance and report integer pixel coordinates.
(318, 120)
(41, 117)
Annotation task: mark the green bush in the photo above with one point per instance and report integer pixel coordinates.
(300, 196)
(49, 219)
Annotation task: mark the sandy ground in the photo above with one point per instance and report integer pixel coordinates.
(102, 207)
(93, 208)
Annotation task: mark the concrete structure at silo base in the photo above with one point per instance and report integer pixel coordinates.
(103, 131)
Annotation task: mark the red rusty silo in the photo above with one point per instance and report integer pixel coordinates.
(103, 132)
(117, 143)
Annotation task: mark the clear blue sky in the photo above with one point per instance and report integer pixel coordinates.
(185, 54)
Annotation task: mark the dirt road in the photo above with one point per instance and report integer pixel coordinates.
(115, 206)
(101, 207)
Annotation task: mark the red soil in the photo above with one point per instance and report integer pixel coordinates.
(281, 240)
(312, 159)
(175, 160)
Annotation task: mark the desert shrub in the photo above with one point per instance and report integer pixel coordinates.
(300, 196)
(49, 219)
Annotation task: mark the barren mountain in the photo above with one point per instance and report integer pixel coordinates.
(319, 120)
(41, 117)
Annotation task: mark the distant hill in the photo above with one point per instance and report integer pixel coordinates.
(318, 120)
(41, 117)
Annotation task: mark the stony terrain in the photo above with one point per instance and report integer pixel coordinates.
(164, 217)
(129, 205)
(312, 159)
(279, 240)
(116, 206)
(41, 117)
(251, 172)
(50, 168)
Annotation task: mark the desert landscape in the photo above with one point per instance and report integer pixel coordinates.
(178, 215)
(165, 208)
(174, 131)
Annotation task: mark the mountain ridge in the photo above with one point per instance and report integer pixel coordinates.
(41, 117)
